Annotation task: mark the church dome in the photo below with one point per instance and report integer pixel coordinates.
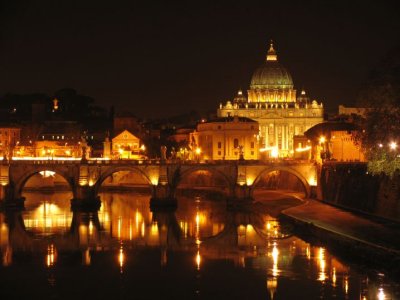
(271, 75)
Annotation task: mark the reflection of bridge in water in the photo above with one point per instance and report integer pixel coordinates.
(85, 178)
(86, 230)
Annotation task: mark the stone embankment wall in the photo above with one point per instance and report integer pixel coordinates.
(350, 185)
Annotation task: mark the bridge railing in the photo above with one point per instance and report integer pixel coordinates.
(286, 162)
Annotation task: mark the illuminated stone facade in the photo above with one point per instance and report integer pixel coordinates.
(9, 139)
(226, 138)
(125, 146)
(272, 102)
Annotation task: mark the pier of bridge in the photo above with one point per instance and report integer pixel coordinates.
(85, 177)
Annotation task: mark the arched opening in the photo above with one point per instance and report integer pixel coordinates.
(279, 189)
(204, 183)
(125, 204)
(47, 203)
(121, 180)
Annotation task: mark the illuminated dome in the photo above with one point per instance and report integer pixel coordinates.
(271, 75)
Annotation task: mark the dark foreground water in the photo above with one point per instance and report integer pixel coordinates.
(199, 251)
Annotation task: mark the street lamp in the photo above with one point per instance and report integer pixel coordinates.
(393, 145)
(198, 152)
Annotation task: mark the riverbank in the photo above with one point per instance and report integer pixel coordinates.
(348, 233)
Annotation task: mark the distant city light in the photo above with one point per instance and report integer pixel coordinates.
(393, 145)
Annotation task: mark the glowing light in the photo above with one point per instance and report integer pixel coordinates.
(275, 255)
(143, 147)
(154, 229)
(322, 264)
(393, 145)
(198, 151)
(67, 152)
(121, 258)
(322, 139)
(274, 151)
(381, 294)
(90, 227)
(268, 226)
(312, 181)
(250, 180)
(334, 276)
(119, 227)
(91, 182)
(308, 253)
(46, 158)
(154, 180)
(303, 149)
(51, 256)
(198, 259)
(380, 145)
(346, 284)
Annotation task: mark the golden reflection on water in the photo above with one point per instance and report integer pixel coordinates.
(51, 255)
(47, 214)
(205, 228)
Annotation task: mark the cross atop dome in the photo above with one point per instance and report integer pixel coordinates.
(271, 54)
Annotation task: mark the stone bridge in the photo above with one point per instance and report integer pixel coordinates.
(237, 178)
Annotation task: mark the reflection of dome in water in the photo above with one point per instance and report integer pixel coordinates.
(271, 75)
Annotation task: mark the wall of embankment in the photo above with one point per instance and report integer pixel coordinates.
(350, 185)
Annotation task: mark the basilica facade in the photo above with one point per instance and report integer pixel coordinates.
(272, 101)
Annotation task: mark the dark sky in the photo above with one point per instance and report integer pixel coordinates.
(162, 59)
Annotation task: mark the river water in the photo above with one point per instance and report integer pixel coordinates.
(201, 250)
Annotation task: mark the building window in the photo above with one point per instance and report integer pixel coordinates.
(235, 143)
(219, 152)
(219, 145)
(252, 145)
(219, 127)
(252, 152)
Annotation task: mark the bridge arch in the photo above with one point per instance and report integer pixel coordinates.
(20, 183)
(298, 175)
(214, 172)
(110, 171)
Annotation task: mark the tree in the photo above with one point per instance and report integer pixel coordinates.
(380, 126)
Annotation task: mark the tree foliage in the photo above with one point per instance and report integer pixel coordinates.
(380, 126)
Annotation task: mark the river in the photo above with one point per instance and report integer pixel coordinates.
(201, 250)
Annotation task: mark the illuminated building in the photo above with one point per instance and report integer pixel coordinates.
(226, 138)
(273, 103)
(334, 141)
(9, 138)
(125, 146)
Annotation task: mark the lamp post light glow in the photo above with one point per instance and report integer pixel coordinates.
(322, 140)
(393, 145)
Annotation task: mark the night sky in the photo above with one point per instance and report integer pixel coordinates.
(164, 59)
